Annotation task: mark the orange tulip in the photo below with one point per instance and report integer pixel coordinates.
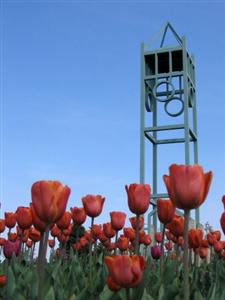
(78, 215)
(24, 217)
(93, 205)
(108, 230)
(10, 219)
(117, 220)
(187, 185)
(195, 238)
(3, 280)
(138, 197)
(64, 221)
(49, 199)
(126, 271)
(133, 221)
(165, 210)
(176, 226)
(2, 225)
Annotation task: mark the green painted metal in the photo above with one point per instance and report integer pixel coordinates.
(174, 69)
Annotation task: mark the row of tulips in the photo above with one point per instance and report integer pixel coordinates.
(187, 187)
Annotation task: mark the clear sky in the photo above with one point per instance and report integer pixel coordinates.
(70, 92)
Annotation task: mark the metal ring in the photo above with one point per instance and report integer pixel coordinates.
(154, 92)
(177, 113)
(191, 97)
(148, 102)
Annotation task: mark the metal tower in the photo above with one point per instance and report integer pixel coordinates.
(167, 77)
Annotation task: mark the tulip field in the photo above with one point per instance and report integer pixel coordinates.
(47, 253)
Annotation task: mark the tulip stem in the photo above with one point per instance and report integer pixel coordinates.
(185, 258)
(90, 257)
(162, 249)
(41, 262)
(136, 236)
(116, 238)
(127, 294)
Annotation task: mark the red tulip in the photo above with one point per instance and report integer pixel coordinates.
(38, 224)
(195, 238)
(10, 219)
(218, 246)
(49, 199)
(51, 243)
(24, 217)
(12, 236)
(204, 243)
(133, 221)
(112, 285)
(129, 233)
(11, 248)
(3, 280)
(117, 220)
(108, 230)
(222, 222)
(78, 215)
(34, 234)
(97, 230)
(138, 197)
(211, 238)
(126, 271)
(64, 221)
(176, 226)
(203, 252)
(93, 205)
(147, 240)
(187, 185)
(223, 200)
(169, 245)
(158, 237)
(29, 243)
(123, 243)
(155, 252)
(165, 210)
(141, 237)
(217, 234)
(2, 225)
(111, 246)
(2, 241)
(55, 232)
(102, 237)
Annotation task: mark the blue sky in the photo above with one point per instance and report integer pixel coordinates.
(70, 92)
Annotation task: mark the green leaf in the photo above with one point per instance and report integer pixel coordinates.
(146, 296)
(11, 284)
(50, 294)
(106, 294)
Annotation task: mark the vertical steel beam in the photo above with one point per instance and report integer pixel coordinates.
(186, 119)
(142, 116)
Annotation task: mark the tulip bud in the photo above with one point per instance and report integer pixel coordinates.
(155, 252)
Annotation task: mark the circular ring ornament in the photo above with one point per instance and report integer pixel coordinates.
(191, 97)
(180, 110)
(148, 102)
(154, 92)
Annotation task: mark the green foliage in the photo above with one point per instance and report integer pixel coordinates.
(68, 279)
